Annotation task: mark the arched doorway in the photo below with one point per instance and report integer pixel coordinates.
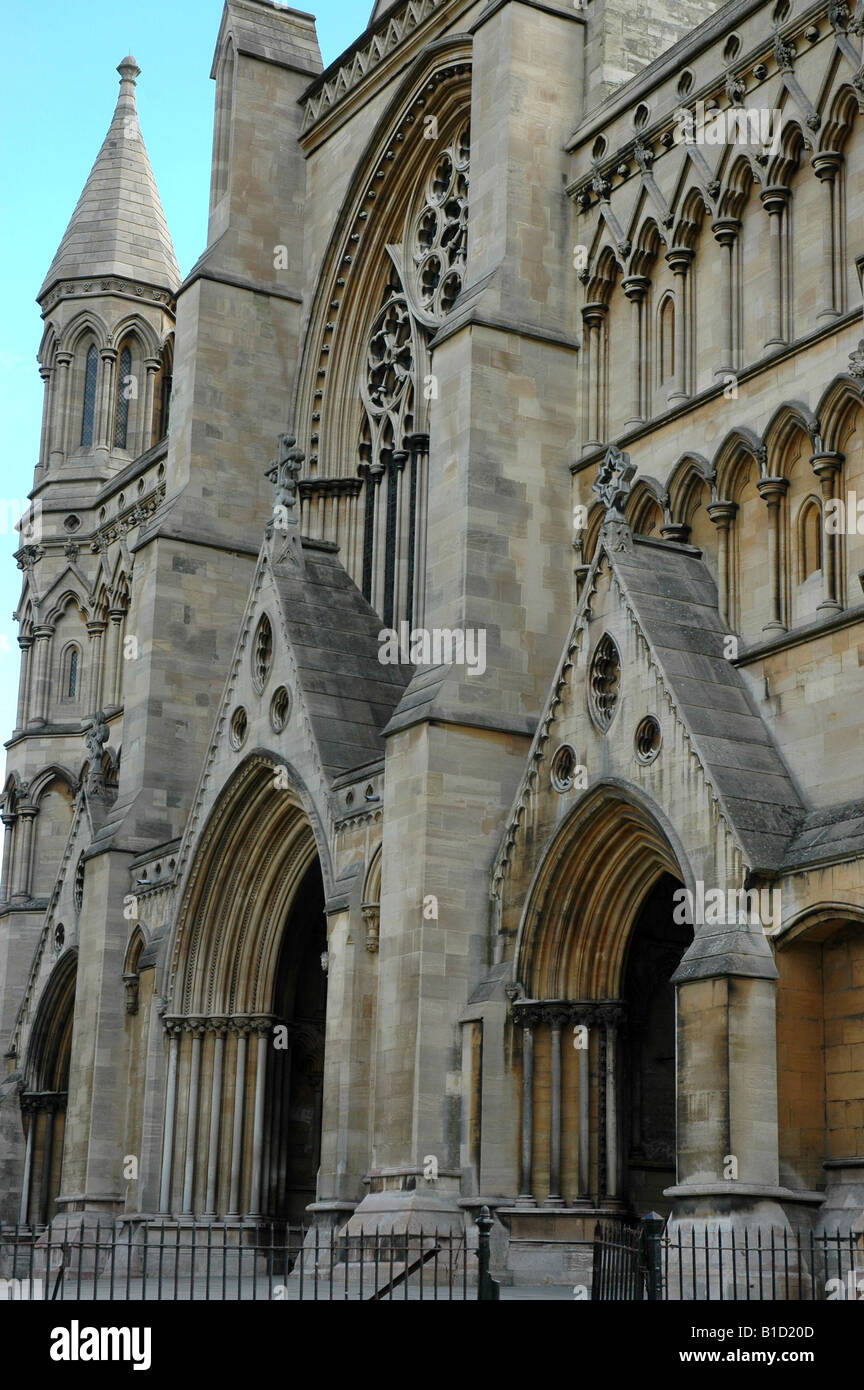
(296, 1071)
(43, 1101)
(246, 1019)
(595, 1029)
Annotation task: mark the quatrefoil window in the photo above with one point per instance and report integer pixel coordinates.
(604, 682)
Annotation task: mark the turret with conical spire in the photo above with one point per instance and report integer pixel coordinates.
(109, 301)
(118, 226)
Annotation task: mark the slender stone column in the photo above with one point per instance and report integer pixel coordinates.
(41, 675)
(46, 374)
(24, 1210)
(636, 288)
(775, 201)
(678, 260)
(584, 1123)
(47, 1155)
(173, 1031)
(24, 846)
(113, 665)
(106, 398)
(218, 1027)
(826, 165)
(555, 1018)
(594, 317)
(419, 446)
(612, 1177)
(63, 365)
(26, 645)
(722, 514)
(400, 577)
(9, 822)
(773, 490)
(95, 630)
(726, 231)
(196, 1030)
(241, 1029)
(152, 365)
(379, 534)
(827, 469)
(262, 1029)
(526, 1183)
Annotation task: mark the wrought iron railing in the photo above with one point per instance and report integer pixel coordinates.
(703, 1261)
(94, 1259)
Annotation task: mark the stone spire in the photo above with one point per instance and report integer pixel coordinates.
(118, 226)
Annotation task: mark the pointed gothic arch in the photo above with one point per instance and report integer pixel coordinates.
(246, 992)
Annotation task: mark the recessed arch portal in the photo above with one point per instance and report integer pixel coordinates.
(596, 1028)
(245, 1024)
(46, 1085)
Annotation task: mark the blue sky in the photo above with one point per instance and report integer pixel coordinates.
(58, 88)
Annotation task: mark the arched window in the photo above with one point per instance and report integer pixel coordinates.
(69, 670)
(89, 412)
(125, 392)
(809, 540)
(666, 354)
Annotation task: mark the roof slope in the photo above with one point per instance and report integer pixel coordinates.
(674, 600)
(118, 226)
(333, 631)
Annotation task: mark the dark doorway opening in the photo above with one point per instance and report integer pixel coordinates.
(657, 944)
(295, 1074)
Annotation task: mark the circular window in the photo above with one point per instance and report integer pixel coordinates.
(71, 522)
(599, 148)
(647, 739)
(640, 117)
(280, 708)
(685, 82)
(262, 652)
(239, 728)
(563, 769)
(781, 11)
(604, 682)
(59, 936)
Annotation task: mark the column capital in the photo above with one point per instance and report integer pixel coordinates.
(726, 229)
(43, 630)
(217, 1025)
(826, 464)
(152, 364)
(678, 258)
(636, 287)
(826, 164)
(722, 511)
(772, 489)
(95, 627)
(64, 358)
(108, 354)
(775, 198)
(593, 314)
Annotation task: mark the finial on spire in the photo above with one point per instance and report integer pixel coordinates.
(128, 69)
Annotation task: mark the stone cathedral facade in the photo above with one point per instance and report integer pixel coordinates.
(531, 323)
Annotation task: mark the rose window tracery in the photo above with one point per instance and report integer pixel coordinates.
(440, 234)
(424, 278)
